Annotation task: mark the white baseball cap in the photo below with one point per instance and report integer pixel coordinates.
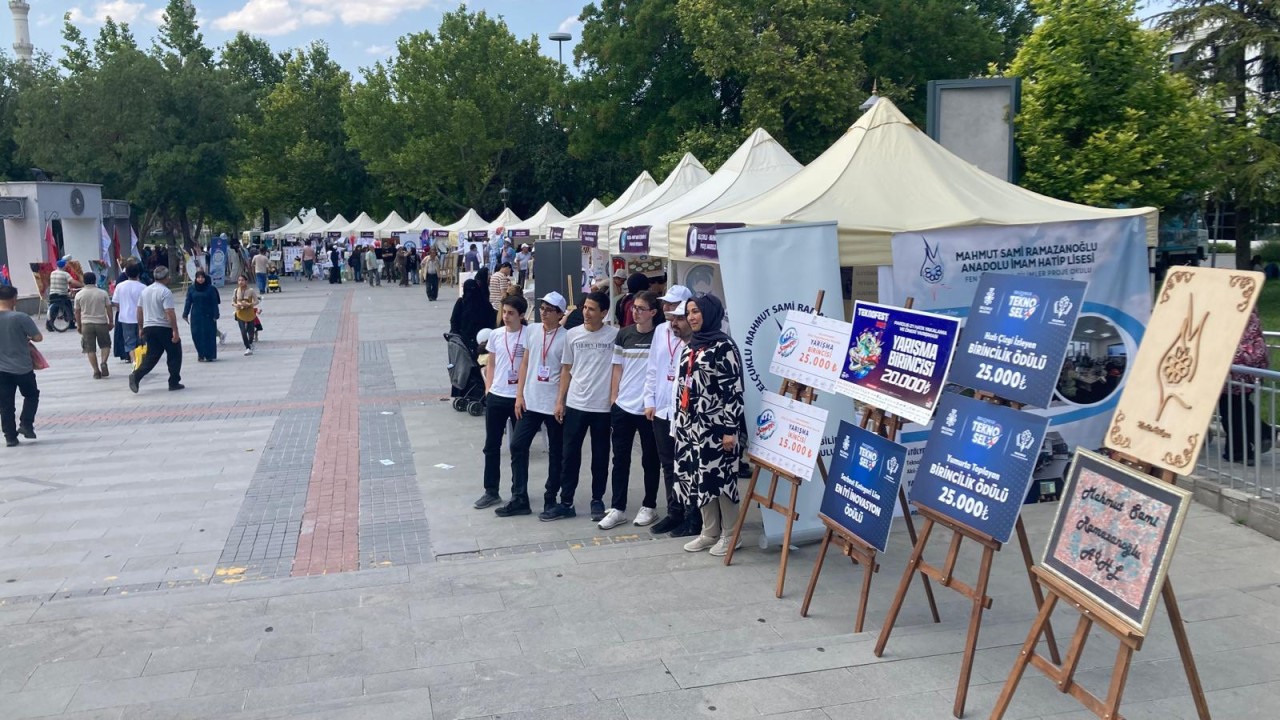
(555, 298)
(620, 274)
(677, 311)
(677, 294)
(482, 337)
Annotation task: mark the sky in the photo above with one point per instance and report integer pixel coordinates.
(359, 32)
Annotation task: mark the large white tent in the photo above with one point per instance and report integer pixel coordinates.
(469, 222)
(504, 221)
(362, 226)
(757, 166)
(687, 175)
(635, 192)
(314, 225)
(539, 225)
(593, 208)
(413, 230)
(885, 176)
(337, 225)
(288, 228)
(393, 224)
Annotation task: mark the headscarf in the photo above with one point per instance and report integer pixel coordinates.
(712, 320)
(473, 296)
(198, 287)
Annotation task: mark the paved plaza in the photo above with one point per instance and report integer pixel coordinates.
(292, 536)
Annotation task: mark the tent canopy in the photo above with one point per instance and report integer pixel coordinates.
(593, 208)
(885, 176)
(540, 223)
(420, 223)
(635, 192)
(393, 223)
(505, 220)
(336, 225)
(362, 224)
(757, 166)
(687, 175)
(313, 225)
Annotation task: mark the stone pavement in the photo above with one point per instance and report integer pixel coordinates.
(292, 536)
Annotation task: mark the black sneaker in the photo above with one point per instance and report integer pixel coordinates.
(559, 512)
(179, 386)
(667, 524)
(133, 383)
(11, 442)
(487, 500)
(597, 510)
(512, 509)
(27, 432)
(691, 526)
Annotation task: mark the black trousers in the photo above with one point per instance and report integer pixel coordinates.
(10, 385)
(248, 332)
(433, 287)
(667, 458)
(625, 428)
(1238, 417)
(160, 342)
(526, 429)
(576, 426)
(498, 411)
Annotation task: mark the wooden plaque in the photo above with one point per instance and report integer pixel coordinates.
(1174, 382)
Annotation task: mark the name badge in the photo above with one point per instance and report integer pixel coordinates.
(544, 373)
(513, 377)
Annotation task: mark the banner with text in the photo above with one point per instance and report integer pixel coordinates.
(635, 240)
(862, 488)
(589, 235)
(808, 350)
(787, 434)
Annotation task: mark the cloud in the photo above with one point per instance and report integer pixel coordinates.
(378, 49)
(570, 24)
(278, 17)
(120, 11)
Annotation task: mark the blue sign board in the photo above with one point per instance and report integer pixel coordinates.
(977, 463)
(862, 489)
(897, 359)
(1016, 336)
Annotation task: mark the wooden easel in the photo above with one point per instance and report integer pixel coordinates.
(1063, 673)
(805, 394)
(977, 593)
(853, 547)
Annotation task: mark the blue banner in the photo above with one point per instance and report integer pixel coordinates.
(1016, 336)
(977, 464)
(218, 261)
(862, 488)
(897, 359)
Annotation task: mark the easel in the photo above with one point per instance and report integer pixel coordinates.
(977, 593)
(1063, 673)
(805, 394)
(853, 547)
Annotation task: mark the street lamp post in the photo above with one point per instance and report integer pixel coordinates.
(504, 193)
(560, 38)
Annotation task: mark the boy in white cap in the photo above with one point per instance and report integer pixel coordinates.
(536, 396)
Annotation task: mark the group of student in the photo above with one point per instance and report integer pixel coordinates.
(669, 377)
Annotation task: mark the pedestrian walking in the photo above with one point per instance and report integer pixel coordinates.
(261, 266)
(413, 263)
(95, 324)
(125, 301)
(402, 267)
(431, 268)
(201, 311)
(245, 301)
(159, 323)
(308, 260)
(335, 267)
(372, 267)
(17, 369)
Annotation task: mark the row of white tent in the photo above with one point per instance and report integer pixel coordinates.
(883, 176)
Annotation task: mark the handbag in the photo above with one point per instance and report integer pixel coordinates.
(138, 354)
(38, 361)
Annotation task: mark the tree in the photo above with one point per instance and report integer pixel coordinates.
(446, 121)
(1232, 53)
(1103, 122)
(179, 39)
(253, 70)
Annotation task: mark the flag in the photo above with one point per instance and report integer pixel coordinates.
(104, 250)
(50, 247)
(115, 244)
(133, 243)
(4, 275)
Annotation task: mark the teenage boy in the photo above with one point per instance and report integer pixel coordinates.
(536, 397)
(501, 382)
(583, 406)
(669, 340)
(630, 363)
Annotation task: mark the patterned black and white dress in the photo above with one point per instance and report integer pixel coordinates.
(715, 408)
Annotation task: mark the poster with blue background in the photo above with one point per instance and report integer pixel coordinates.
(866, 470)
(897, 359)
(1016, 335)
(977, 464)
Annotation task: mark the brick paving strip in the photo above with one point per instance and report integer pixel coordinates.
(329, 538)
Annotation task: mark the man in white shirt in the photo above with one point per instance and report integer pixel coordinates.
(583, 406)
(125, 302)
(159, 323)
(669, 341)
(501, 382)
(626, 413)
(536, 397)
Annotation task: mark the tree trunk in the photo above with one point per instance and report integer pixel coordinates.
(266, 219)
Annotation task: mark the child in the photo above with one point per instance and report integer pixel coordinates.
(297, 268)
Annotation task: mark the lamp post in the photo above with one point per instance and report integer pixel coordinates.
(328, 215)
(560, 38)
(504, 193)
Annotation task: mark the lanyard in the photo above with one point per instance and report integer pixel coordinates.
(672, 346)
(546, 344)
(688, 380)
(506, 342)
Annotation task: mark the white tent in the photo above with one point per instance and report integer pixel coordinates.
(540, 224)
(335, 226)
(286, 229)
(687, 175)
(469, 222)
(505, 220)
(886, 176)
(393, 224)
(313, 225)
(413, 230)
(641, 186)
(363, 226)
(593, 208)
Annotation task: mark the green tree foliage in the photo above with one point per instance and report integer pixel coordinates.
(448, 120)
(1103, 122)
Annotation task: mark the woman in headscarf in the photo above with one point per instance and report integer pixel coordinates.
(709, 425)
(471, 313)
(201, 311)
(402, 267)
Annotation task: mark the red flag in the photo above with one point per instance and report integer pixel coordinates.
(115, 245)
(50, 248)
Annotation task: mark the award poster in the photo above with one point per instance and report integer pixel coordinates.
(1115, 534)
(977, 464)
(787, 435)
(1181, 365)
(897, 359)
(862, 488)
(809, 350)
(1017, 335)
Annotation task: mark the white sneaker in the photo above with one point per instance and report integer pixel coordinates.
(699, 544)
(646, 516)
(722, 547)
(248, 351)
(612, 519)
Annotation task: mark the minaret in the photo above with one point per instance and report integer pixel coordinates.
(21, 29)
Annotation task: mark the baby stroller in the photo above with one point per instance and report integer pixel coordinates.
(273, 280)
(465, 376)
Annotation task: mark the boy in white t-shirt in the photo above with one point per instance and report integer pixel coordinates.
(630, 363)
(501, 381)
(536, 398)
(583, 406)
